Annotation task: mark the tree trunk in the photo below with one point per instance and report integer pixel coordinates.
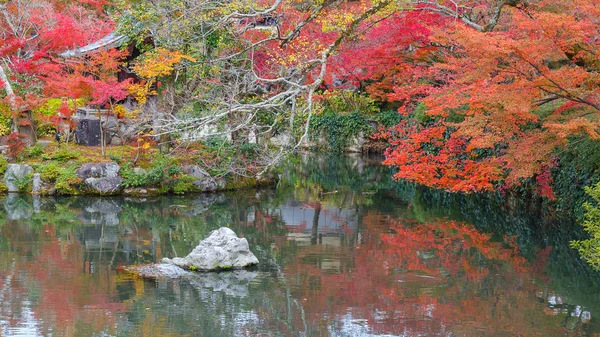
(11, 96)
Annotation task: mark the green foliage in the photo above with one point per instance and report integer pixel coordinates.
(115, 158)
(67, 180)
(49, 172)
(161, 174)
(50, 107)
(420, 114)
(183, 184)
(579, 166)
(3, 164)
(62, 155)
(388, 118)
(63, 176)
(590, 249)
(24, 184)
(34, 151)
(44, 130)
(5, 123)
(338, 129)
(346, 102)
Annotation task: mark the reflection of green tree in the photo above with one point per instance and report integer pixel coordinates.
(336, 180)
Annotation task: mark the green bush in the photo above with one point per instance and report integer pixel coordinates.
(34, 151)
(5, 123)
(388, 118)
(183, 184)
(24, 184)
(3, 164)
(44, 130)
(579, 166)
(345, 102)
(49, 172)
(117, 159)
(67, 180)
(62, 155)
(160, 174)
(590, 249)
(338, 129)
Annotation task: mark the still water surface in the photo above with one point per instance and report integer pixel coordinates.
(343, 252)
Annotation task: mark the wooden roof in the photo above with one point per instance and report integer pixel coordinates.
(111, 40)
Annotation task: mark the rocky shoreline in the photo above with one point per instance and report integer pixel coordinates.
(106, 179)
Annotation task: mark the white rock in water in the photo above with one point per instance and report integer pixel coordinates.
(222, 249)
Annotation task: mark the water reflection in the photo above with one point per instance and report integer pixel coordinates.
(342, 254)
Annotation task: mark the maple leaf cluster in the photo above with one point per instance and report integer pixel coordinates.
(482, 107)
(33, 34)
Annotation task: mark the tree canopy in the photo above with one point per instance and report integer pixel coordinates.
(487, 90)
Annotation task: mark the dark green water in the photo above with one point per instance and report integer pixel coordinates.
(343, 252)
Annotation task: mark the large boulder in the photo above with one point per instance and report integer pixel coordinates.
(221, 250)
(101, 178)
(203, 181)
(16, 176)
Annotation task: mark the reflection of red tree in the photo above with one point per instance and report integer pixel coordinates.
(425, 279)
(449, 247)
(68, 299)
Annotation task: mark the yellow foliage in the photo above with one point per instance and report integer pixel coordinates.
(140, 91)
(159, 62)
(4, 130)
(122, 112)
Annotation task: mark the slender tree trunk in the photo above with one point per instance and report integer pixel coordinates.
(102, 142)
(11, 96)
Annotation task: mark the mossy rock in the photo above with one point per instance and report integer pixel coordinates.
(142, 192)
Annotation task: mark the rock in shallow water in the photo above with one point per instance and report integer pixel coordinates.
(221, 250)
(234, 283)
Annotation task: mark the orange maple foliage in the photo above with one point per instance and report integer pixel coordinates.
(496, 95)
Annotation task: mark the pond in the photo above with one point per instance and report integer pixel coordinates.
(343, 252)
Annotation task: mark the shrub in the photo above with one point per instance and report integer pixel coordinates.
(24, 184)
(161, 174)
(590, 249)
(183, 184)
(388, 118)
(16, 145)
(67, 180)
(578, 167)
(4, 125)
(115, 158)
(338, 129)
(3, 164)
(62, 155)
(345, 102)
(34, 151)
(50, 172)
